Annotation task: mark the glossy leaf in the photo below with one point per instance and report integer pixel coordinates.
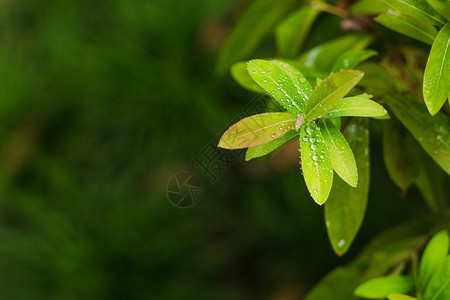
(442, 7)
(346, 206)
(382, 287)
(316, 162)
(351, 59)
(285, 83)
(436, 80)
(266, 148)
(328, 93)
(401, 155)
(400, 297)
(257, 130)
(358, 106)
(432, 133)
(292, 32)
(240, 74)
(414, 28)
(439, 286)
(252, 27)
(433, 257)
(369, 7)
(322, 57)
(419, 9)
(342, 157)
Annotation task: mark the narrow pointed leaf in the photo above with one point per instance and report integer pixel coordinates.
(263, 149)
(400, 297)
(252, 27)
(419, 9)
(322, 57)
(382, 287)
(316, 162)
(257, 130)
(436, 80)
(292, 32)
(240, 74)
(414, 28)
(357, 106)
(351, 59)
(328, 93)
(432, 133)
(433, 257)
(342, 157)
(346, 206)
(285, 83)
(439, 286)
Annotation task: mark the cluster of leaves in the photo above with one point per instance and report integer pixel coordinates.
(430, 279)
(412, 81)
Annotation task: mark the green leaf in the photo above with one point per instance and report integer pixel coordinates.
(284, 82)
(358, 106)
(433, 257)
(382, 287)
(342, 157)
(240, 74)
(431, 183)
(253, 26)
(263, 149)
(400, 297)
(369, 7)
(316, 162)
(351, 59)
(419, 9)
(257, 130)
(442, 7)
(436, 80)
(322, 57)
(346, 206)
(439, 286)
(414, 28)
(328, 93)
(376, 79)
(401, 155)
(432, 133)
(292, 32)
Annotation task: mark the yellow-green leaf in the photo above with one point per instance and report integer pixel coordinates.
(342, 157)
(439, 286)
(436, 80)
(240, 74)
(358, 106)
(328, 93)
(282, 81)
(266, 148)
(433, 257)
(257, 130)
(382, 287)
(316, 163)
(400, 297)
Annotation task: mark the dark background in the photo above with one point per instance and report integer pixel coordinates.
(101, 103)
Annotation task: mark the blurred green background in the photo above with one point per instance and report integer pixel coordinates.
(101, 103)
